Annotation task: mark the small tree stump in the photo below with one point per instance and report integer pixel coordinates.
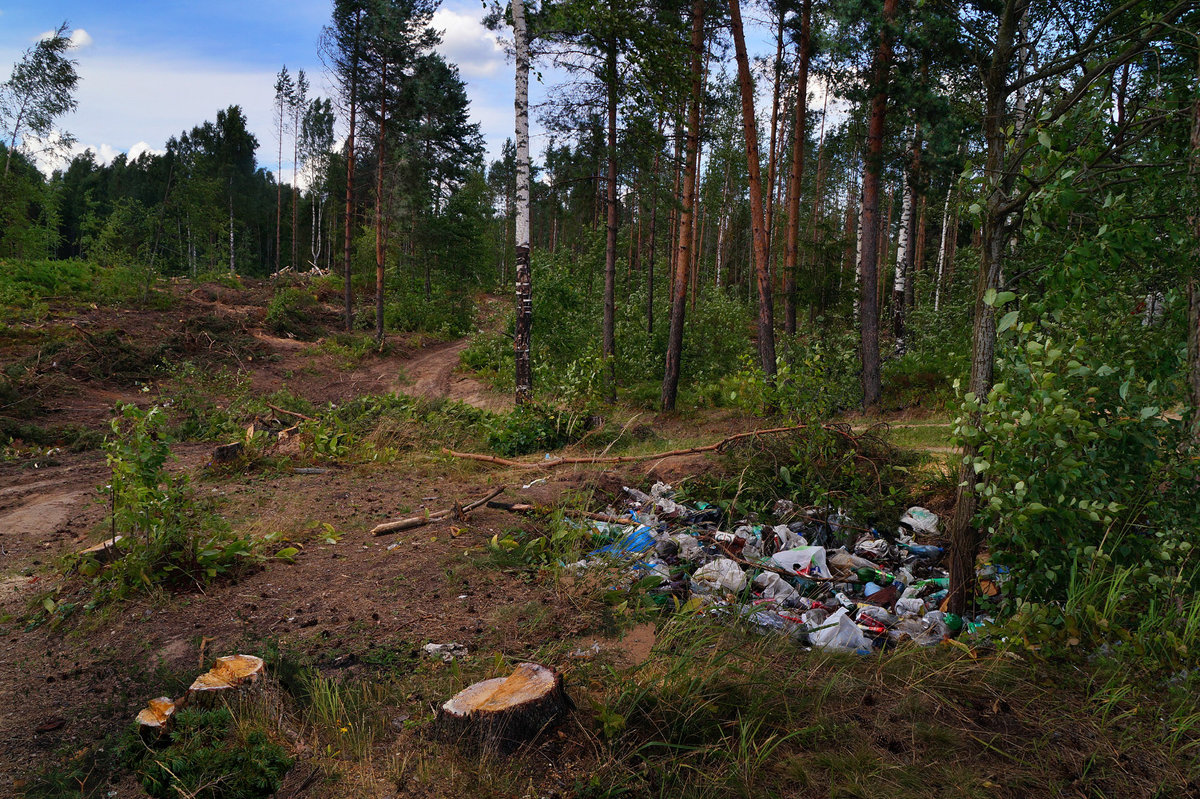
(227, 453)
(104, 552)
(229, 674)
(156, 717)
(505, 712)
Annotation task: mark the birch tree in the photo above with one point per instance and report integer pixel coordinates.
(524, 297)
(40, 89)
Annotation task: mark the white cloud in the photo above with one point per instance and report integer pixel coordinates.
(466, 42)
(80, 39)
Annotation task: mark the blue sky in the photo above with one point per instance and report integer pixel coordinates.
(151, 70)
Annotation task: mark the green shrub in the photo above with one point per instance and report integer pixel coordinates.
(534, 428)
(170, 538)
(288, 312)
(209, 756)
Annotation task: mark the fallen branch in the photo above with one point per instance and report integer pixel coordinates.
(553, 462)
(289, 413)
(421, 521)
(546, 510)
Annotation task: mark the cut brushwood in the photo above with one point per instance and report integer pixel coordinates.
(420, 521)
(505, 712)
(550, 463)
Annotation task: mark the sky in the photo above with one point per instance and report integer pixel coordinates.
(151, 70)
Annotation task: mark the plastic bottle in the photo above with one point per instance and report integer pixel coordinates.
(923, 550)
(940, 582)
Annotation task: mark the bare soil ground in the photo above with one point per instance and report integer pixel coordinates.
(63, 689)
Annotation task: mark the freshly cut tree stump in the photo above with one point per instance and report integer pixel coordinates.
(505, 712)
(154, 719)
(107, 550)
(230, 673)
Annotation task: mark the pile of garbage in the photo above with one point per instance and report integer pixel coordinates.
(816, 576)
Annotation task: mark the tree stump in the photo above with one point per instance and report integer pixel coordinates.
(104, 552)
(229, 674)
(156, 717)
(504, 712)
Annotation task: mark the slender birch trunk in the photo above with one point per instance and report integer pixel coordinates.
(524, 299)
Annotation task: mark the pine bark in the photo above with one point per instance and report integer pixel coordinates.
(766, 322)
(380, 160)
(792, 251)
(670, 385)
(610, 247)
(349, 224)
(524, 295)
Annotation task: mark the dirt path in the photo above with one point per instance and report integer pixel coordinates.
(430, 373)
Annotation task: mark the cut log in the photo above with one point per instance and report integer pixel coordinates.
(154, 719)
(229, 673)
(504, 712)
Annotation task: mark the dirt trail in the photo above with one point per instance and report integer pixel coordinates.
(430, 373)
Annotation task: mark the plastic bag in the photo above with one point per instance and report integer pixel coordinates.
(720, 574)
(875, 548)
(787, 539)
(841, 559)
(772, 586)
(920, 520)
(803, 560)
(839, 632)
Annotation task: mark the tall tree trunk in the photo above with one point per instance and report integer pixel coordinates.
(1193, 289)
(915, 214)
(653, 241)
(943, 246)
(349, 224)
(610, 246)
(524, 322)
(994, 232)
(232, 263)
(670, 385)
(766, 321)
(872, 167)
(792, 251)
(381, 156)
(904, 259)
(777, 72)
(279, 192)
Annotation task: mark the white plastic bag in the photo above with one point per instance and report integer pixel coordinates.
(921, 520)
(787, 539)
(802, 558)
(839, 632)
(772, 586)
(720, 574)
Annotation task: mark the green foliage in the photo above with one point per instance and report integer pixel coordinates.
(206, 404)
(170, 538)
(209, 756)
(444, 312)
(25, 284)
(816, 378)
(289, 311)
(534, 428)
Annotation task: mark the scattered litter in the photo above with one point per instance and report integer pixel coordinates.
(447, 652)
(536, 482)
(822, 578)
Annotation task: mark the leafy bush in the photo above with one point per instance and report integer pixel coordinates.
(170, 539)
(193, 405)
(534, 428)
(1076, 463)
(816, 378)
(209, 756)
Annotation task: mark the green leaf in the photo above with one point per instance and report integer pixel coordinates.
(989, 297)
(1004, 298)
(1044, 138)
(1007, 321)
(48, 604)
(287, 553)
(1148, 411)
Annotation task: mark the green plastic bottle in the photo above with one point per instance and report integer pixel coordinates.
(953, 621)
